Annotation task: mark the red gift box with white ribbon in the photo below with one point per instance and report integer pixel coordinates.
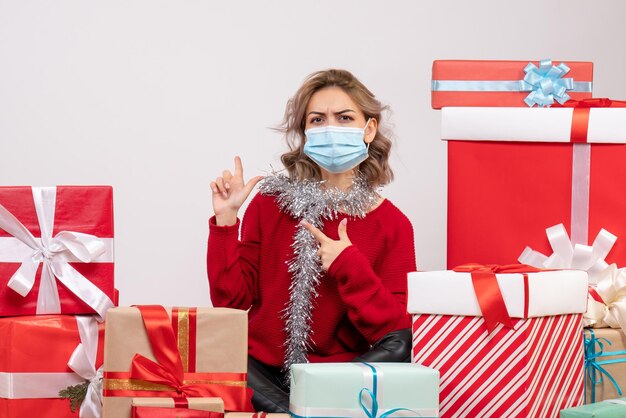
(56, 250)
(42, 355)
(506, 340)
(513, 172)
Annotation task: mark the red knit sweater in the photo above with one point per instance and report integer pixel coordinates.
(361, 298)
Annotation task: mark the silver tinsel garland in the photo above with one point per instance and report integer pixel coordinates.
(310, 201)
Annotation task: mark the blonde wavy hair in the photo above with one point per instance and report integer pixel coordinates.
(375, 168)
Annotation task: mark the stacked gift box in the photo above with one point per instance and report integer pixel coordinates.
(529, 151)
(56, 267)
(56, 285)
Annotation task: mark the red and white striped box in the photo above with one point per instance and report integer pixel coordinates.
(534, 369)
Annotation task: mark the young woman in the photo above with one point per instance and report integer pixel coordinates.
(323, 259)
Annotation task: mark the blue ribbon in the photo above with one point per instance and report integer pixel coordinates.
(594, 369)
(546, 83)
(373, 413)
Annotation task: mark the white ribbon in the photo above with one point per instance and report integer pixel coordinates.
(611, 312)
(581, 173)
(47, 385)
(35, 385)
(54, 253)
(83, 363)
(573, 257)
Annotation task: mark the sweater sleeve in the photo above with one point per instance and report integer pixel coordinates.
(232, 265)
(376, 300)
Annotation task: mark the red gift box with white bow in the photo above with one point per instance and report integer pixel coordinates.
(56, 250)
(515, 172)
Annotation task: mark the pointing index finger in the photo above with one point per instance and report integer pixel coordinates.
(319, 235)
(238, 166)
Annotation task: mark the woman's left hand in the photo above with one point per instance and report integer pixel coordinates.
(329, 248)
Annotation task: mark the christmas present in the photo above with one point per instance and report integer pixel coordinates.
(509, 83)
(44, 358)
(177, 408)
(56, 234)
(605, 364)
(151, 351)
(506, 341)
(612, 408)
(513, 172)
(363, 389)
(255, 415)
(156, 412)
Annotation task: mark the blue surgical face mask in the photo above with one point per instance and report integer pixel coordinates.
(336, 149)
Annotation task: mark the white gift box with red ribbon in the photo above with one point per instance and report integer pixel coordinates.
(532, 369)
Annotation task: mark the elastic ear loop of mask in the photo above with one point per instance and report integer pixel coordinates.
(364, 128)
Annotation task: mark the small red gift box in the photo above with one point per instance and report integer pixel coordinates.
(508, 83)
(156, 412)
(255, 415)
(34, 357)
(177, 407)
(56, 250)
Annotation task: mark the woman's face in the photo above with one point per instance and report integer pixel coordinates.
(332, 106)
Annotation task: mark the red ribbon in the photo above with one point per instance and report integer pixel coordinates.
(168, 369)
(595, 295)
(488, 292)
(580, 117)
(159, 412)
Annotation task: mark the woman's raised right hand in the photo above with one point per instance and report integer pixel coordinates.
(230, 192)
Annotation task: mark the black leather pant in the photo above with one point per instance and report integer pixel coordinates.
(272, 395)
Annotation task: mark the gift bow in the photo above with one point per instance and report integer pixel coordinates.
(488, 293)
(83, 363)
(54, 253)
(592, 366)
(568, 256)
(168, 369)
(607, 300)
(546, 83)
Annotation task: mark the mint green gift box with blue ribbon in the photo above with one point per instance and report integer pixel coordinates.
(611, 408)
(372, 390)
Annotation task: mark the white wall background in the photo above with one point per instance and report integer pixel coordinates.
(156, 97)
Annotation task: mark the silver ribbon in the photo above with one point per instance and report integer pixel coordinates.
(581, 173)
(497, 85)
(54, 253)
